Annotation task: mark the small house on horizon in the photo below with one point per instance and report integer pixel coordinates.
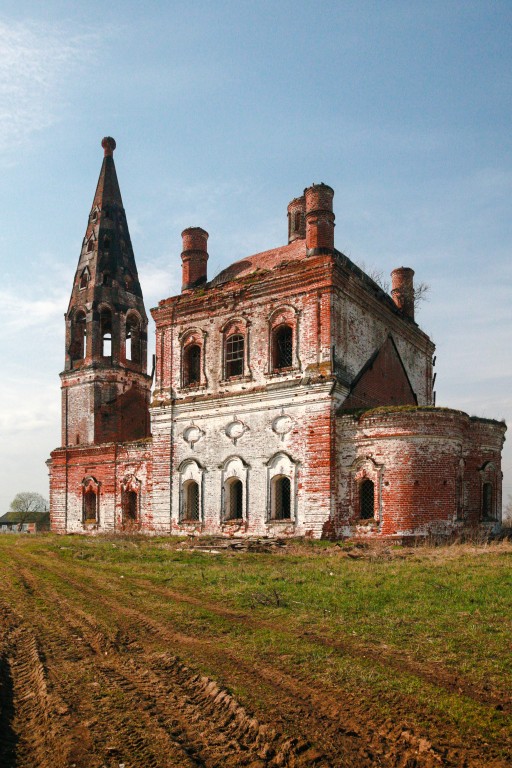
(25, 522)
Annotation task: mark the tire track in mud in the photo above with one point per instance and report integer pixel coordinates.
(131, 734)
(323, 717)
(32, 735)
(343, 740)
(210, 728)
(343, 727)
(8, 736)
(346, 729)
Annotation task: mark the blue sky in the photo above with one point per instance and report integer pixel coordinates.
(222, 113)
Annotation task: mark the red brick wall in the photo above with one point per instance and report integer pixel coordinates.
(383, 382)
(109, 464)
(422, 462)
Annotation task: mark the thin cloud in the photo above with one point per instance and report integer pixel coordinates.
(158, 282)
(36, 60)
(20, 311)
(27, 404)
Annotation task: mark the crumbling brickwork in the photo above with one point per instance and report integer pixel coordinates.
(292, 396)
(428, 467)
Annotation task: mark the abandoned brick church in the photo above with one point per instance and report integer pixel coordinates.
(291, 396)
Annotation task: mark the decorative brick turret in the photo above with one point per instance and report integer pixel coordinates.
(194, 258)
(402, 290)
(297, 219)
(319, 218)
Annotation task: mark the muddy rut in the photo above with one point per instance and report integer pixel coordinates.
(91, 675)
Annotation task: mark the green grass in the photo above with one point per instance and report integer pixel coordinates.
(456, 608)
(450, 607)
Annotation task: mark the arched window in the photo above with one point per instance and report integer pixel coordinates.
(77, 347)
(130, 507)
(190, 501)
(192, 365)
(234, 499)
(78, 335)
(90, 506)
(487, 502)
(281, 498)
(90, 246)
(282, 347)
(366, 499)
(234, 355)
(106, 333)
(133, 350)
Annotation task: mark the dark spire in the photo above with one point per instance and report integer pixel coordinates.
(107, 259)
(106, 281)
(107, 190)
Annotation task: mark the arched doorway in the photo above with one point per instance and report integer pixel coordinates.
(130, 508)
(366, 499)
(89, 506)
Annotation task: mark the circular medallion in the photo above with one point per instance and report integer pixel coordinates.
(282, 424)
(235, 429)
(192, 434)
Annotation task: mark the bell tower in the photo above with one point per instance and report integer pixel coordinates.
(105, 385)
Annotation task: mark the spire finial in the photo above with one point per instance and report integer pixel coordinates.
(108, 144)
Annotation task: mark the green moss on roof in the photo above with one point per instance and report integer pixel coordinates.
(25, 517)
(384, 409)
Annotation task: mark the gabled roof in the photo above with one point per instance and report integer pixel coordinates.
(25, 517)
(383, 380)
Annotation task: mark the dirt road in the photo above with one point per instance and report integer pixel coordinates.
(97, 676)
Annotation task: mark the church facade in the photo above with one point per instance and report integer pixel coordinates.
(290, 396)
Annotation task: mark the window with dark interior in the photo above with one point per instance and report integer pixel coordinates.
(89, 507)
(366, 499)
(78, 332)
(106, 333)
(234, 355)
(191, 365)
(487, 505)
(190, 501)
(234, 499)
(133, 350)
(129, 502)
(282, 343)
(281, 506)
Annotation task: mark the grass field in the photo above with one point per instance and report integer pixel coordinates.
(166, 652)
